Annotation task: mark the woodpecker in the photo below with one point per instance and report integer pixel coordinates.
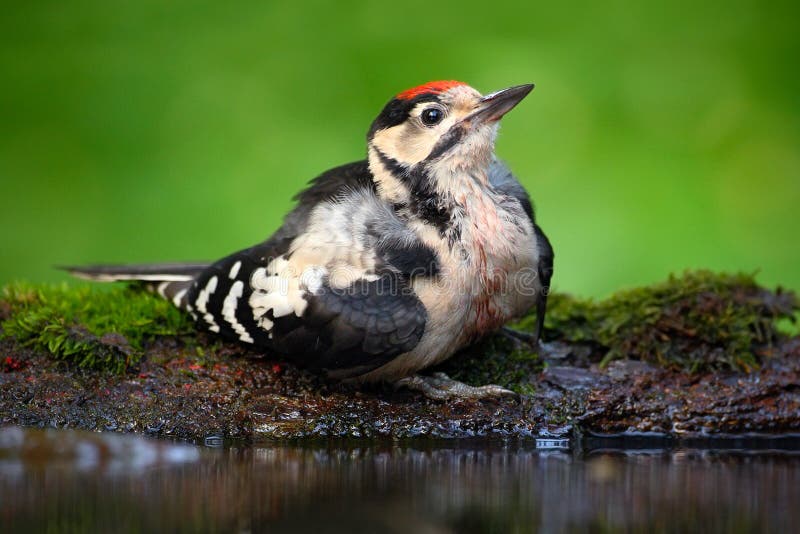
(388, 265)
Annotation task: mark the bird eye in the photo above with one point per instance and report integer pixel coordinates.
(431, 116)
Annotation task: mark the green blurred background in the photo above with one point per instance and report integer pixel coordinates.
(659, 137)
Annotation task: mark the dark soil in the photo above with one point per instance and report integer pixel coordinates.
(234, 394)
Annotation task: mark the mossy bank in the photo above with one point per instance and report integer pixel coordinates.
(699, 353)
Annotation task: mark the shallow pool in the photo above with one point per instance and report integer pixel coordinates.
(62, 480)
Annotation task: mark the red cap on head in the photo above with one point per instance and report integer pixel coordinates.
(430, 87)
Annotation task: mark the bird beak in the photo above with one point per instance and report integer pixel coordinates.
(493, 106)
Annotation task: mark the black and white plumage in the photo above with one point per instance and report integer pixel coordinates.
(387, 265)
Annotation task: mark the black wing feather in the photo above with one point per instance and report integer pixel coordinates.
(344, 331)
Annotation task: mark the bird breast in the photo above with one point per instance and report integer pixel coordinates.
(489, 275)
(501, 246)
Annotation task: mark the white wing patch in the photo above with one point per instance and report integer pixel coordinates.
(162, 287)
(202, 302)
(229, 311)
(235, 270)
(278, 287)
(176, 300)
(312, 278)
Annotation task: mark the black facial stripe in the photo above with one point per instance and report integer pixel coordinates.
(397, 169)
(425, 202)
(448, 141)
(412, 176)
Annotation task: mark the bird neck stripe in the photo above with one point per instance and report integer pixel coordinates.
(424, 201)
(414, 177)
(399, 170)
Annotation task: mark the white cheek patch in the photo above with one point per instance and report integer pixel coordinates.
(229, 311)
(202, 302)
(278, 288)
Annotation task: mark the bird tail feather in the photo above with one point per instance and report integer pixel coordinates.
(170, 280)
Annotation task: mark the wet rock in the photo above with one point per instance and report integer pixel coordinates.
(245, 398)
(572, 377)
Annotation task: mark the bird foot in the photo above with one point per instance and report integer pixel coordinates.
(554, 350)
(439, 386)
(516, 336)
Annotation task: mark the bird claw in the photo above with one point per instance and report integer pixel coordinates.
(439, 386)
(518, 337)
(551, 351)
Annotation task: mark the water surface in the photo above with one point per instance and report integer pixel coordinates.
(74, 481)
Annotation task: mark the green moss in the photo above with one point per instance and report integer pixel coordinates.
(89, 326)
(697, 321)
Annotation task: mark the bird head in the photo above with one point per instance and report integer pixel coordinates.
(427, 135)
